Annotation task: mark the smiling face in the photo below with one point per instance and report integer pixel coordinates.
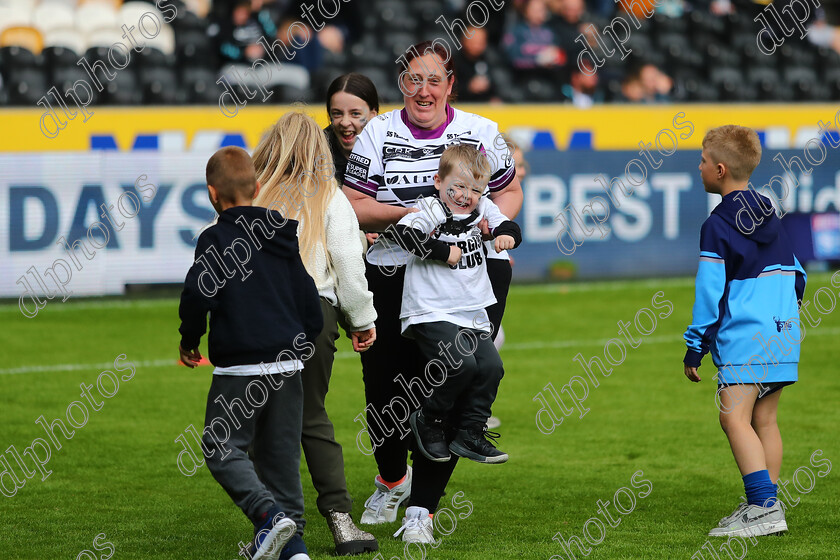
(459, 191)
(430, 88)
(348, 115)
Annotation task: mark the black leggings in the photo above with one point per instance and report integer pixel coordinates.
(393, 355)
(500, 273)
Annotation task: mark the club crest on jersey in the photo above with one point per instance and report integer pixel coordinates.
(782, 325)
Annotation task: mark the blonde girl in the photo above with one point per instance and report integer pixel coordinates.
(296, 173)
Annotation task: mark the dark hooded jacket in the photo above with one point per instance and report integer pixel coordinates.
(748, 287)
(249, 275)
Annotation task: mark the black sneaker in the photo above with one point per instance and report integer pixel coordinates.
(431, 439)
(471, 443)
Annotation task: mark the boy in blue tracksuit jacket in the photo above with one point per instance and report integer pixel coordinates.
(746, 314)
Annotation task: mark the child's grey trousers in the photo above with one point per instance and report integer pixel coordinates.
(252, 442)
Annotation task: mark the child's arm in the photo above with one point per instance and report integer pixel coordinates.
(344, 247)
(708, 292)
(195, 303)
(412, 233)
(507, 233)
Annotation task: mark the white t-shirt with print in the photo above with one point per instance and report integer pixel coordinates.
(434, 290)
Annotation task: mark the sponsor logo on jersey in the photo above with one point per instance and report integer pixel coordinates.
(405, 179)
(361, 160)
(409, 153)
(356, 171)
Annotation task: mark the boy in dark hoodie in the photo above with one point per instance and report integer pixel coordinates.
(265, 314)
(746, 314)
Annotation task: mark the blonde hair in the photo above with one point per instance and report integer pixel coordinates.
(296, 174)
(471, 160)
(737, 147)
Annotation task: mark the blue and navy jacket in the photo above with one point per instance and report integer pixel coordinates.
(748, 287)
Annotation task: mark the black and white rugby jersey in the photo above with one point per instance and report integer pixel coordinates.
(395, 161)
(435, 290)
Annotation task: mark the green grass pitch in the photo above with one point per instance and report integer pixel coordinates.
(118, 474)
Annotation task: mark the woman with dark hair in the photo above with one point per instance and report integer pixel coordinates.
(393, 163)
(351, 102)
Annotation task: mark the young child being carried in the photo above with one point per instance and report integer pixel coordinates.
(747, 289)
(443, 307)
(260, 321)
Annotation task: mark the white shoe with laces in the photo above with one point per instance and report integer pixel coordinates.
(753, 521)
(737, 513)
(382, 506)
(417, 526)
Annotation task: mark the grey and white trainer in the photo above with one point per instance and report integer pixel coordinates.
(752, 521)
(383, 504)
(737, 513)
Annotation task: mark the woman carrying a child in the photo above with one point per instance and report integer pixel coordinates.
(394, 162)
(295, 171)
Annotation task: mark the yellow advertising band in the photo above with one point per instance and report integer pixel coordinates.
(610, 127)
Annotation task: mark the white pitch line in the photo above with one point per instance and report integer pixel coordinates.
(81, 304)
(536, 345)
(602, 286)
(553, 287)
(76, 367)
(606, 286)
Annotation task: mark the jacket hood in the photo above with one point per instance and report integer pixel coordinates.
(746, 211)
(265, 229)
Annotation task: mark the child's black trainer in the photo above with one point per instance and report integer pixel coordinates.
(430, 436)
(471, 443)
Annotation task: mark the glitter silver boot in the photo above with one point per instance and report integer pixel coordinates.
(348, 538)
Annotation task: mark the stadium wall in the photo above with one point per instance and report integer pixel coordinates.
(53, 189)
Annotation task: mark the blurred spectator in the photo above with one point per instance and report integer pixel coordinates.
(632, 90)
(722, 7)
(583, 89)
(602, 8)
(531, 44)
(246, 22)
(567, 22)
(670, 8)
(646, 84)
(656, 83)
(298, 54)
(343, 30)
(472, 66)
(824, 35)
(308, 56)
(716, 7)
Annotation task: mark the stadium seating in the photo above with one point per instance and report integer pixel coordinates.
(52, 15)
(95, 15)
(22, 36)
(710, 57)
